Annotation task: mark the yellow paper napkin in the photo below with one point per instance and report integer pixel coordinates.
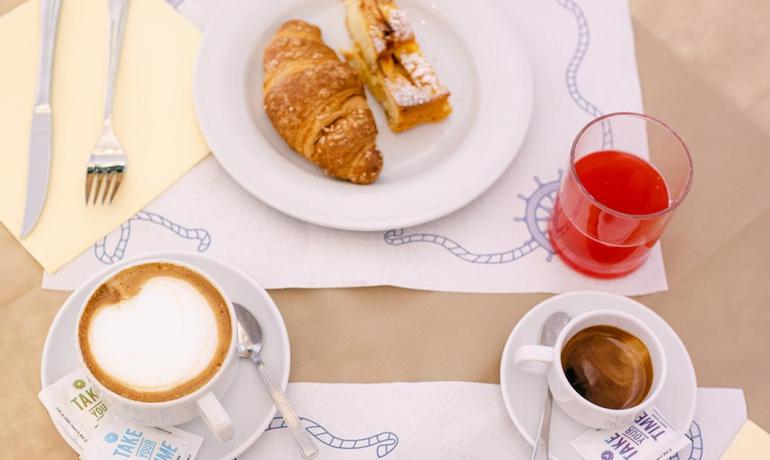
(154, 117)
(752, 442)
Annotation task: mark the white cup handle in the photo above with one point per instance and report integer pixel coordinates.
(215, 417)
(533, 359)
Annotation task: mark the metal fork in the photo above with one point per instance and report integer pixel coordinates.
(107, 162)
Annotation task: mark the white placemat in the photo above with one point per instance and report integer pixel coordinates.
(582, 54)
(448, 420)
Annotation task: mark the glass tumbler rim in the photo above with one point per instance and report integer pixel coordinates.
(648, 118)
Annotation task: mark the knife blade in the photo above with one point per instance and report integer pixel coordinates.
(39, 167)
(40, 131)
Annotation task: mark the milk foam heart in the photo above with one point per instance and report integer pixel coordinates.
(163, 336)
(155, 332)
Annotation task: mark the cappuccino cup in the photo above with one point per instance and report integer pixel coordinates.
(158, 340)
(604, 369)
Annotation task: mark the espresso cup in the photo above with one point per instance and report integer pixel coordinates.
(200, 398)
(547, 361)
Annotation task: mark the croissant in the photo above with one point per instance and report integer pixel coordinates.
(317, 104)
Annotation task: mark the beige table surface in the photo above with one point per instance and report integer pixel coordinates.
(705, 68)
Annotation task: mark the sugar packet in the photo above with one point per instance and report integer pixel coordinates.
(118, 439)
(649, 437)
(75, 405)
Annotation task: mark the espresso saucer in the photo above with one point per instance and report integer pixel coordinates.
(248, 402)
(524, 393)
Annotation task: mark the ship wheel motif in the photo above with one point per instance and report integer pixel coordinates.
(108, 258)
(696, 449)
(537, 212)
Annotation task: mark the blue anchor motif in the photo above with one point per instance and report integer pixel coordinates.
(102, 255)
(384, 442)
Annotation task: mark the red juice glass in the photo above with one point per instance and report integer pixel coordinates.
(627, 174)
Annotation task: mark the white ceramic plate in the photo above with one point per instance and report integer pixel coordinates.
(524, 393)
(429, 171)
(247, 401)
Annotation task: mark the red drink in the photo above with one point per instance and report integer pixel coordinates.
(613, 205)
(620, 182)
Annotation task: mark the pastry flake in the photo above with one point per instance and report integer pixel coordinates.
(391, 63)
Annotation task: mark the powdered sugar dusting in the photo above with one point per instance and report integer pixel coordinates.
(420, 70)
(399, 24)
(377, 40)
(408, 95)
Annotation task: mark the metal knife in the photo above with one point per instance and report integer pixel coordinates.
(40, 132)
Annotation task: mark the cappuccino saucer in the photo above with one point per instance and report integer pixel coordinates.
(247, 402)
(524, 393)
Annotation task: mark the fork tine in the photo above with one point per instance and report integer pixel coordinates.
(95, 190)
(97, 186)
(104, 184)
(89, 184)
(109, 182)
(118, 180)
